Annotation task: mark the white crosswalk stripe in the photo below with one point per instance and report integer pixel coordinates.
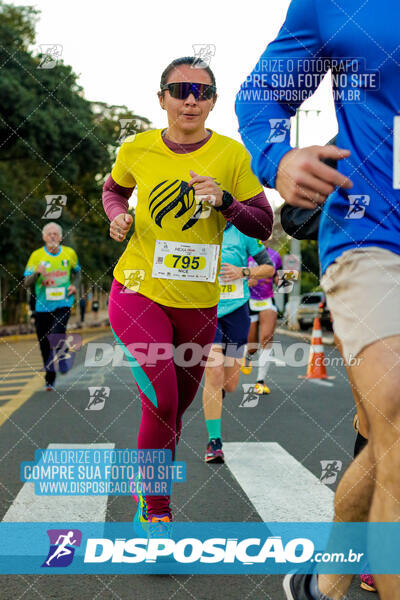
(28, 506)
(279, 486)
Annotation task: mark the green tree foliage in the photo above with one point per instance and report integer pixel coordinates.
(52, 141)
(280, 241)
(310, 266)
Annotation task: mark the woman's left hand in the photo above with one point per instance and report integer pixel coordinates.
(205, 189)
(230, 272)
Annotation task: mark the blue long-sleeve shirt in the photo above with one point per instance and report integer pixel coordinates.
(360, 42)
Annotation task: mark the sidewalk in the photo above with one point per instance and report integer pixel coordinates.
(92, 319)
(27, 330)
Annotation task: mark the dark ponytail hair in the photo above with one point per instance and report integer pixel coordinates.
(193, 61)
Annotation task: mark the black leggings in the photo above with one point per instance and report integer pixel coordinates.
(47, 323)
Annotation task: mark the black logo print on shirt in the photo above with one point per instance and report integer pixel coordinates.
(168, 195)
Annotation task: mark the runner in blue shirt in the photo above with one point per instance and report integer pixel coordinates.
(359, 239)
(233, 322)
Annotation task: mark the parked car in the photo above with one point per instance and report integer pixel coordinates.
(313, 305)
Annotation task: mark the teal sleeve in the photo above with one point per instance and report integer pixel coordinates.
(254, 246)
(31, 266)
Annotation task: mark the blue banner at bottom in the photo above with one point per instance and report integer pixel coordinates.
(201, 548)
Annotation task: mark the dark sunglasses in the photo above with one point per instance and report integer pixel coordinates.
(182, 89)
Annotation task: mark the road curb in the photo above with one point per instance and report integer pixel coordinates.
(328, 341)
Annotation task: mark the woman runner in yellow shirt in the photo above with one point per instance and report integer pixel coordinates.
(163, 301)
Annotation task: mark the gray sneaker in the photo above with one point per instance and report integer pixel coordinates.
(297, 586)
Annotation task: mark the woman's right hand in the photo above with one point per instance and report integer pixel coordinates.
(304, 180)
(120, 226)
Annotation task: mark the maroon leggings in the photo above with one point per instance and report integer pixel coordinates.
(171, 386)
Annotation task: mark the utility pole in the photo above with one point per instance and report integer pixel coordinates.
(295, 247)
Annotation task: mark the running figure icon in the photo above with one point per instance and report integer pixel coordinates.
(279, 130)
(62, 549)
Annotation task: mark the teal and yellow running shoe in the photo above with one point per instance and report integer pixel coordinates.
(160, 526)
(141, 518)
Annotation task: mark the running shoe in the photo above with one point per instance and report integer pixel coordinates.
(246, 367)
(141, 518)
(160, 526)
(297, 586)
(50, 387)
(367, 583)
(260, 388)
(214, 451)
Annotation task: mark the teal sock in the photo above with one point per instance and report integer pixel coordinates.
(213, 428)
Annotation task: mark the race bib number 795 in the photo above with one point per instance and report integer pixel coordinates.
(183, 261)
(187, 262)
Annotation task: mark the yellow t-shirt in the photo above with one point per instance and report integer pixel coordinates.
(173, 257)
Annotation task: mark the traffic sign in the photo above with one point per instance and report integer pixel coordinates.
(291, 262)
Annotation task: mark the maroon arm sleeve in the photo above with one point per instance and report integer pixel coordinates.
(253, 217)
(115, 198)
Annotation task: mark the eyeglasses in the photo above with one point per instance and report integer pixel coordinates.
(182, 89)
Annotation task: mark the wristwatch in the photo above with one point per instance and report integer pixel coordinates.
(227, 200)
(245, 272)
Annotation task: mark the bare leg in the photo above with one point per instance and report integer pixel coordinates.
(378, 379)
(361, 414)
(252, 340)
(231, 374)
(214, 382)
(360, 496)
(352, 503)
(267, 327)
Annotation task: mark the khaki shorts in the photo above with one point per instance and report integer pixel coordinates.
(363, 294)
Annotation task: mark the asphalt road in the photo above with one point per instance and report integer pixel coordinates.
(310, 422)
